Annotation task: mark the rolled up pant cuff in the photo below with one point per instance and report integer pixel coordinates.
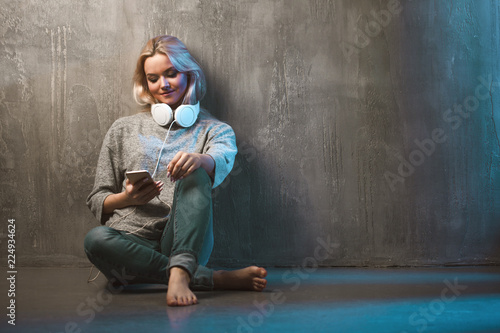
(185, 260)
(201, 277)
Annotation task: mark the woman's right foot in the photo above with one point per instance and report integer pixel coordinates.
(249, 278)
(178, 292)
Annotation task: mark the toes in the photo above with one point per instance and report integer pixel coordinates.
(191, 301)
(172, 302)
(259, 285)
(182, 301)
(188, 300)
(259, 288)
(258, 271)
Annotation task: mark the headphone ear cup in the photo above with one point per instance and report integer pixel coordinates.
(162, 114)
(186, 115)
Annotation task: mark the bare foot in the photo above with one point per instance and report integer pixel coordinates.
(249, 278)
(178, 293)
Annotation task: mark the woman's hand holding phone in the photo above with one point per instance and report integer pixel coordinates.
(141, 190)
(140, 187)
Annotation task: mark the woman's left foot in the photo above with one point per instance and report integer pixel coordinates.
(178, 293)
(249, 278)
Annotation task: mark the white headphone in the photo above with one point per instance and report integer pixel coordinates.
(184, 115)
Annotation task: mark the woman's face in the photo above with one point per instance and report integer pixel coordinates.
(165, 83)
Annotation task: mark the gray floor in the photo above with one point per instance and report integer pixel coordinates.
(465, 299)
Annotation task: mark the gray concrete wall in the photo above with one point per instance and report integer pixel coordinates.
(361, 125)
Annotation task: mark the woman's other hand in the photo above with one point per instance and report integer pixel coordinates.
(183, 164)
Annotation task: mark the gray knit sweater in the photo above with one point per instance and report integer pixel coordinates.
(133, 143)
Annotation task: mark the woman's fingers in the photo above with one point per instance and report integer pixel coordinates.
(175, 166)
(149, 192)
(141, 193)
(183, 164)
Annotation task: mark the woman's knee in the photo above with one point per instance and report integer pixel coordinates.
(198, 182)
(96, 239)
(198, 177)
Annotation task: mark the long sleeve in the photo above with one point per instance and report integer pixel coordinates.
(221, 145)
(108, 178)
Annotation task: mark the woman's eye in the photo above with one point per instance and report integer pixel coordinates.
(172, 74)
(152, 80)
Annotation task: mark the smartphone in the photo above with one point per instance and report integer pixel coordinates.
(135, 176)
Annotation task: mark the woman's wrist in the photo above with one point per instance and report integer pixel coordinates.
(208, 163)
(115, 201)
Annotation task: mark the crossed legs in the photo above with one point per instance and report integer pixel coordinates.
(175, 260)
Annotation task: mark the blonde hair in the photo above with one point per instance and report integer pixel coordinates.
(183, 62)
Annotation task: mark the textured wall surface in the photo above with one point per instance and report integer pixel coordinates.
(369, 128)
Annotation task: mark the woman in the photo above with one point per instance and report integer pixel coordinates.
(161, 232)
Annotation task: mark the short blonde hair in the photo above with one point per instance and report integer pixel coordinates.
(183, 62)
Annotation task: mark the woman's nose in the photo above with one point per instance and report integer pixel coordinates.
(164, 83)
